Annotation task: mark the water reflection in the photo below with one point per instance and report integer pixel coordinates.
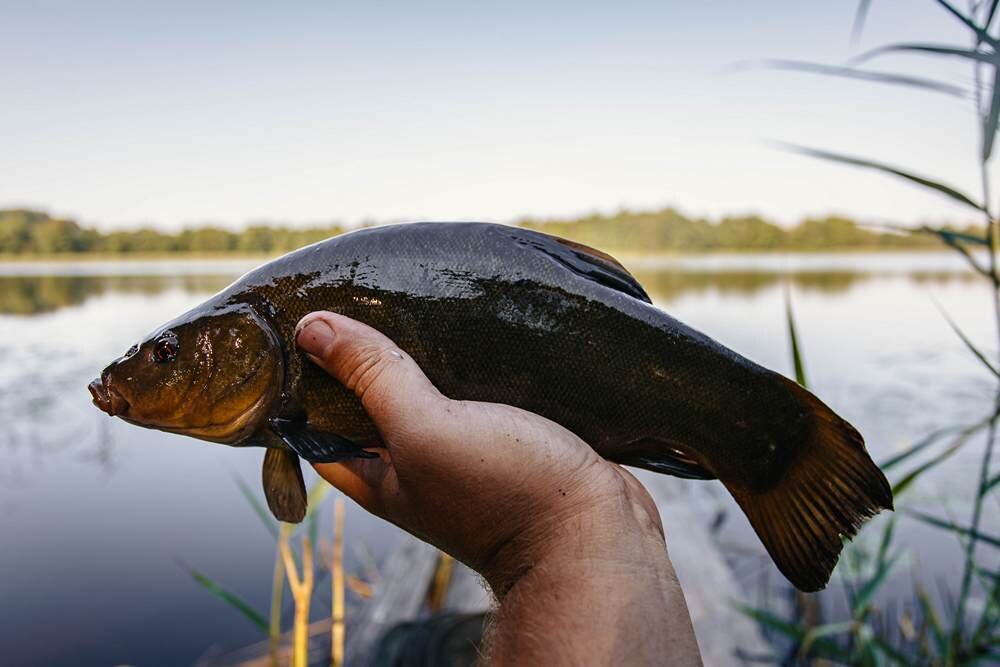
(667, 285)
(32, 295)
(37, 294)
(876, 349)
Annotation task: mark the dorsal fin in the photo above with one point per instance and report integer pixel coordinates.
(595, 253)
(589, 262)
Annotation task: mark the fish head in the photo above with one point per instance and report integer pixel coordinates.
(213, 374)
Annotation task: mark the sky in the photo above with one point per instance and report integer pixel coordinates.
(171, 114)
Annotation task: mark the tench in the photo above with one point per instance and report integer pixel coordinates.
(506, 315)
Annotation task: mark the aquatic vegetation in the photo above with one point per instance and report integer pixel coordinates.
(965, 633)
(302, 581)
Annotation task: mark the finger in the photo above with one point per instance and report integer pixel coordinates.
(393, 390)
(355, 480)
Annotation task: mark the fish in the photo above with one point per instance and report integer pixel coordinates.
(508, 315)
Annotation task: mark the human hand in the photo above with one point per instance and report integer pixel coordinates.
(571, 544)
(499, 488)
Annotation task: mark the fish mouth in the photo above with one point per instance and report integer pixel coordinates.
(107, 399)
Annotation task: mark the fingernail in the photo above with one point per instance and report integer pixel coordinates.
(311, 317)
(315, 337)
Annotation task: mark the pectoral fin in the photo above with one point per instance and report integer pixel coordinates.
(283, 485)
(317, 446)
(661, 456)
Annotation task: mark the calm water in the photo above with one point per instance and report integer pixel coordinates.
(99, 518)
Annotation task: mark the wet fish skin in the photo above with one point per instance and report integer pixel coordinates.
(501, 314)
(610, 367)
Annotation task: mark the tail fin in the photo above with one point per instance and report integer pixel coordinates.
(827, 492)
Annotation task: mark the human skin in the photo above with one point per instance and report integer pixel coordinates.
(571, 545)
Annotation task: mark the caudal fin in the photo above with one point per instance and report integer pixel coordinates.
(827, 492)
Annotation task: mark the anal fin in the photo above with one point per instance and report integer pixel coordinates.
(283, 485)
(317, 446)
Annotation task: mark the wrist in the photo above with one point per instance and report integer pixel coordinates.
(615, 533)
(590, 589)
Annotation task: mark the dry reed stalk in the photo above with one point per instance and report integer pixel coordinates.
(274, 628)
(277, 592)
(361, 588)
(440, 582)
(337, 583)
(302, 594)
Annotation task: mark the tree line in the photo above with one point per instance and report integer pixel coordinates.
(28, 232)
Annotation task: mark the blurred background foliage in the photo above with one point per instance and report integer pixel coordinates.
(27, 232)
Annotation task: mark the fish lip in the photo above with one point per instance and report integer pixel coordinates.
(107, 399)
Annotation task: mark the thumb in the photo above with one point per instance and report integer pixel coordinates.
(393, 390)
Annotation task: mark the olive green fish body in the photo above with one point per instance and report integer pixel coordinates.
(491, 316)
(501, 314)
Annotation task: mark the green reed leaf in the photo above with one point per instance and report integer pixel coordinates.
(315, 498)
(952, 237)
(229, 598)
(932, 620)
(820, 631)
(965, 531)
(914, 474)
(991, 484)
(869, 164)
(894, 655)
(864, 647)
(862, 603)
(981, 34)
(317, 494)
(954, 240)
(991, 14)
(886, 542)
(262, 512)
(968, 343)
(865, 75)
(793, 631)
(938, 49)
(800, 370)
(990, 123)
(860, 16)
(990, 617)
(917, 447)
(780, 625)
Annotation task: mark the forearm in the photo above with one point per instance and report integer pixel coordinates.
(599, 595)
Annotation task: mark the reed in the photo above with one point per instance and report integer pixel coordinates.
(302, 582)
(302, 589)
(440, 582)
(277, 593)
(968, 634)
(337, 586)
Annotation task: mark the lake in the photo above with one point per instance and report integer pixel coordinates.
(101, 520)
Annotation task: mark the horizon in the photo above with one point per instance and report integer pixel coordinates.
(177, 116)
(607, 216)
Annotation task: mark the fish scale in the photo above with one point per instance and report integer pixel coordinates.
(507, 315)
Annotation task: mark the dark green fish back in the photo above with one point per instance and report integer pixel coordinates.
(501, 314)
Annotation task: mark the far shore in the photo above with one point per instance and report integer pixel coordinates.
(623, 255)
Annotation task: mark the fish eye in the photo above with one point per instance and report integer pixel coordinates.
(165, 350)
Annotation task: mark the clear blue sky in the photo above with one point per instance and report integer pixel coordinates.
(181, 112)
